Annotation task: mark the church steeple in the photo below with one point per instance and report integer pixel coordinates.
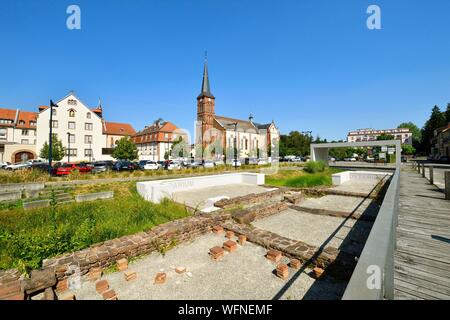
(206, 90)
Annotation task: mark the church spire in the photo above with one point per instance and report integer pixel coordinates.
(206, 91)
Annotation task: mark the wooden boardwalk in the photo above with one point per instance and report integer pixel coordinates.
(422, 257)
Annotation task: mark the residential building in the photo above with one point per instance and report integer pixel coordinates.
(440, 144)
(83, 131)
(17, 135)
(154, 141)
(403, 134)
(214, 132)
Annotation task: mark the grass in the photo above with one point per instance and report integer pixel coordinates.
(28, 237)
(21, 176)
(301, 179)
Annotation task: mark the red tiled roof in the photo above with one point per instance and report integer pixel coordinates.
(8, 114)
(26, 117)
(120, 129)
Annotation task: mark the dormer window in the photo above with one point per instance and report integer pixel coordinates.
(71, 113)
(21, 122)
(33, 123)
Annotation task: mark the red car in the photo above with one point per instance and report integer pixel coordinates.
(67, 168)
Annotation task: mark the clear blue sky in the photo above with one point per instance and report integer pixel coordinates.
(310, 65)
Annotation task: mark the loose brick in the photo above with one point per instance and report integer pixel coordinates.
(230, 246)
(110, 295)
(69, 297)
(317, 272)
(180, 270)
(242, 239)
(282, 271)
(130, 275)
(229, 234)
(274, 255)
(295, 264)
(95, 274)
(217, 229)
(160, 278)
(101, 286)
(216, 252)
(122, 264)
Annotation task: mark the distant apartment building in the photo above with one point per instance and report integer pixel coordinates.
(17, 135)
(83, 131)
(154, 141)
(440, 144)
(403, 134)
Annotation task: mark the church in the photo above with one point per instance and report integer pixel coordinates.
(220, 135)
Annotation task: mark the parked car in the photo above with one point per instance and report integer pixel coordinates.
(151, 165)
(68, 167)
(261, 162)
(142, 163)
(101, 166)
(193, 164)
(3, 164)
(235, 163)
(208, 164)
(370, 159)
(219, 162)
(444, 159)
(18, 166)
(123, 166)
(173, 165)
(42, 166)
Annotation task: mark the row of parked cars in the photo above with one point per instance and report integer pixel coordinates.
(62, 169)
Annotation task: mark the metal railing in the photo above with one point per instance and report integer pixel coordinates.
(373, 277)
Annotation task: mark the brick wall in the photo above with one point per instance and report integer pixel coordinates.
(107, 253)
(253, 198)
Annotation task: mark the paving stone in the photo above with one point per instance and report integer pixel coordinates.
(101, 286)
(109, 295)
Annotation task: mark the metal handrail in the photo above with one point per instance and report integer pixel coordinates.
(378, 253)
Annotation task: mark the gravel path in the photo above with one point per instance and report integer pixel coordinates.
(243, 274)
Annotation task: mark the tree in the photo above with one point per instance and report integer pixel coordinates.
(295, 143)
(125, 150)
(179, 148)
(447, 113)
(436, 120)
(58, 151)
(416, 133)
(408, 149)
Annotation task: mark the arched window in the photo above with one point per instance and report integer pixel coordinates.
(88, 115)
(54, 112)
(71, 113)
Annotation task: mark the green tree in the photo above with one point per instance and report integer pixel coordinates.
(125, 150)
(180, 148)
(447, 113)
(416, 133)
(295, 143)
(408, 149)
(436, 120)
(58, 151)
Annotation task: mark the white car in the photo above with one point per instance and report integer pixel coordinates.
(235, 163)
(3, 164)
(261, 162)
(151, 165)
(208, 164)
(174, 166)
(17, 166)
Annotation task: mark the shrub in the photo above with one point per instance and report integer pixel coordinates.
(315, 166)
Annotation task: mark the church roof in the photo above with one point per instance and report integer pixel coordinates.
(227, 123)
(206, 90)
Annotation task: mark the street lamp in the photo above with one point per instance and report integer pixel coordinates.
(50, 142)
(68, 150)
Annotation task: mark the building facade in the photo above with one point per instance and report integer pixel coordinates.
(219, 135)
(440, 144)
(155, 142)
(84, 133)
(17, 135)
(403, 134)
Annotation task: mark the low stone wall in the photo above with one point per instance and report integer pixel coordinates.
(250, 199)
(21, 186)
(107, 253)
(248, 215)
(94, 196)
(55, 271)
(10, 195)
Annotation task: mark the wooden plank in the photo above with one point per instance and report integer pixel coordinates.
(435, 269)
(426, 220)
(435, 247)
(414, 290)
(401, 295)
(428, 280)
(420, 231)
